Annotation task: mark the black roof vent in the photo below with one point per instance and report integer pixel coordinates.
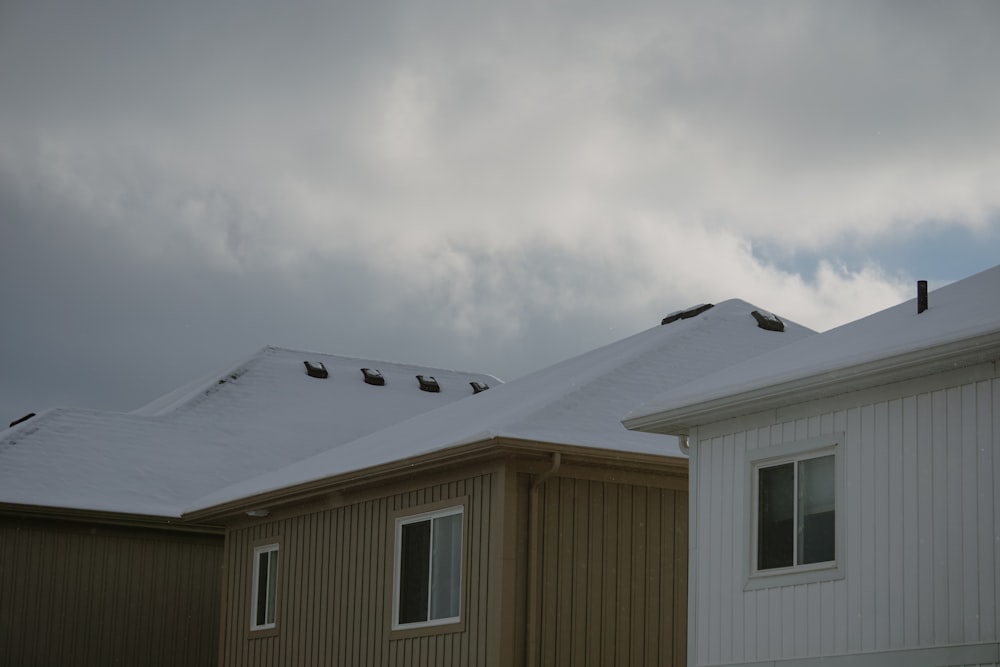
(685, 314)
(316, 370)
(768, 321)
(428, 383)
(232, 377)
(373, 376)
(921, 296)
(478, 387)
(22, 419)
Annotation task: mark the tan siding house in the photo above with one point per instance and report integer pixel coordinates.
(311, 509)
(91, 593)
(605, 550)
(96, 566)
(523, 526)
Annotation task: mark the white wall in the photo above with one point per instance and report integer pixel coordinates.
(922, 524)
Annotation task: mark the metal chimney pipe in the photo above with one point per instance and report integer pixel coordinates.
(921, 296)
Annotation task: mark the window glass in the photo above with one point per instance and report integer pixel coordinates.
(775, 516)
(414, 563)
(265, 586)
(429, 569)
(446, 565)
(796, 513)
(816, 525)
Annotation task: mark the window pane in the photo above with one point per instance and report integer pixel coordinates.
(260, 617)
(272, 584)
(817, 498)
(446, 565)
(775, 521)
(414, 566)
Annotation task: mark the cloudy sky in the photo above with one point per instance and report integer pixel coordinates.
(484, 186)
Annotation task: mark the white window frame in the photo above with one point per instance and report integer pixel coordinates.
(273, 549)
(795, 452)
(429, 515)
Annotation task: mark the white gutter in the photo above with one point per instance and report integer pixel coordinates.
(718, 405)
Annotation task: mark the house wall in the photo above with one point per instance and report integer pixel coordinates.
(613, 570)
(611, 560)
(74, 593)
(921, 513)
(334, 577)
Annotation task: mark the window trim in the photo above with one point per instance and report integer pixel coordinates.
(787, 453)
(430, 511)
(270, 545)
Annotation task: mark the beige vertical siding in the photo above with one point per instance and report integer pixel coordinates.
(613, 566)
(88, 594)
(922, 516)
(334, 573)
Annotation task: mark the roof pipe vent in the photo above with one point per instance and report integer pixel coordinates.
(921, 296)
(478, 387)
(428, 383)
(373, 377)
(316, 370)
(768, 321)
(688, 313)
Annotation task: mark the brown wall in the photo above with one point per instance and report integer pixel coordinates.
(613, 574)
(333, 583)
(612, 565)
(74, 593)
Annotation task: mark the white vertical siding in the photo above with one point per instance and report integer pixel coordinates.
(921, 520)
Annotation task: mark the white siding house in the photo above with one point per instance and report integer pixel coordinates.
(845, 492)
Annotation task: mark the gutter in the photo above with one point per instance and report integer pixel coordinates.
(885, 370)
(534, 535)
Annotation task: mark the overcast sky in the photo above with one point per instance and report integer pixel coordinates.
(484, 186)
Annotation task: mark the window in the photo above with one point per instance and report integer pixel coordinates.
(795, 527)
(265, 586)
(428, 569)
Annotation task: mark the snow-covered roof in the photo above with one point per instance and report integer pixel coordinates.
(576, 402)
(961, 325)
(260, 415)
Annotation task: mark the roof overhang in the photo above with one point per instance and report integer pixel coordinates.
(681, 418)
(455, 457)
(119, 519)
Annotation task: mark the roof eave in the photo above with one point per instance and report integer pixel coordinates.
(681, 419)
(458, 455)
(108, 517)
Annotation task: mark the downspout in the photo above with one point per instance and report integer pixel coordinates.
(534, 530)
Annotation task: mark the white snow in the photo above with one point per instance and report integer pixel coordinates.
(959, 311)
(576, 402)
(209, 434)
(266, 425)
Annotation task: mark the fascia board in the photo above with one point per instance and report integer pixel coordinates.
(927, 361)
(463, 455)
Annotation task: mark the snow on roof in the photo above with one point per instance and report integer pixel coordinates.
(260, 415)
(959, 312)
(579, 401)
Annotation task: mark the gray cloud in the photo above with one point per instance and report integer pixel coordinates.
(487, 188)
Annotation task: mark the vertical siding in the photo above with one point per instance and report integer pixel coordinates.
(613, 565)
(921, 518)
(334, 570)
(84, 594)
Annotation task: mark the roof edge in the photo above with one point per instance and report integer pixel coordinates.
(463, 454)
(679, 420)
(113, 518)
